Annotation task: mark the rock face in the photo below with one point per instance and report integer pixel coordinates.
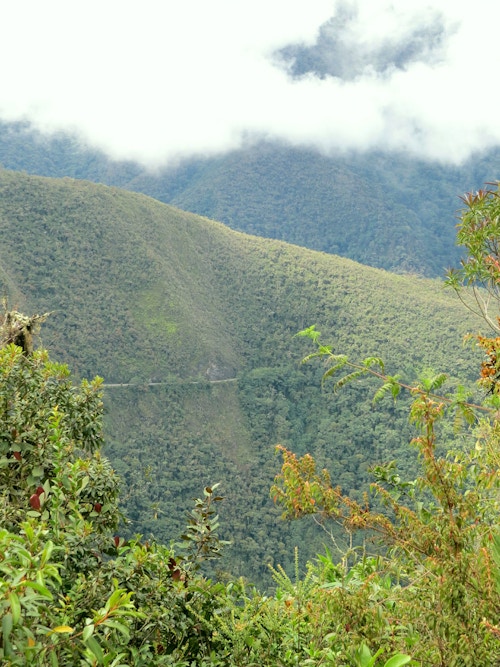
(215, 372)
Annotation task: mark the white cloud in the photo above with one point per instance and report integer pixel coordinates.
(156, 79)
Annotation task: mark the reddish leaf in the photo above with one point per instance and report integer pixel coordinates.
(175, 571)
(35, 502)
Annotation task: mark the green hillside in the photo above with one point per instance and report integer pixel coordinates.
(340, 206)
(192, 324)
(385, 210)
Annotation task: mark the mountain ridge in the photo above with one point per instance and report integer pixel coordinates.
(385, 210)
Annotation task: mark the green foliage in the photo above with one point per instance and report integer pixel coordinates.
(384, 210)
(208, 315)
(363, 658)
(201, 537)
(437, 532)
(74, 592)
(71, 590)
(435, 585)
(479, 234)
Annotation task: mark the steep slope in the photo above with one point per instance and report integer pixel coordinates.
(126, 277)
(143, 292)
(320, 203)
(384, 210)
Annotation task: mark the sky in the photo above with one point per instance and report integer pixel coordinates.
(157, 81)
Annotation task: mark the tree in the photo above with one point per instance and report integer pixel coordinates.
(19, 329)
(434, 584)
(479, 273)
(71, 590)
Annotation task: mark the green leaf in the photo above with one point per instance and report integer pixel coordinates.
(93, 645)
(83, 483)
(88, 631)
(15, 607)
(363, 656)
(116, 662)
(40, 588)
(321, 352)
(114, 599)
(112, 623)
(340, 362)
(395, 389)
(398, 660)
(348, 378)
(47, 551)
(496, 549)
(66, 482)
(6, 627)
(370, 361)
(310, 332)
(495, 552)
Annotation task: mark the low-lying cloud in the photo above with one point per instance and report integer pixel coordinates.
(157, 81)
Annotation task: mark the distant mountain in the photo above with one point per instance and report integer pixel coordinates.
(383, 210)
(192, 326)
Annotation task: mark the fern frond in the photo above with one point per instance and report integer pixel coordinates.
(340, 360)
(348, 378)
(392, 385)
(310, 332)
(370, 361)
(323, 350)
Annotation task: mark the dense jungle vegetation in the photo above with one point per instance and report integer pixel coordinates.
(384, 210)
(141, 292)
(420, 587)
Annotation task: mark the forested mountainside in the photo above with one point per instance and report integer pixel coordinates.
(383, 210)
(195, 323)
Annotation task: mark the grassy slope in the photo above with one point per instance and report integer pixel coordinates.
(140, 290)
